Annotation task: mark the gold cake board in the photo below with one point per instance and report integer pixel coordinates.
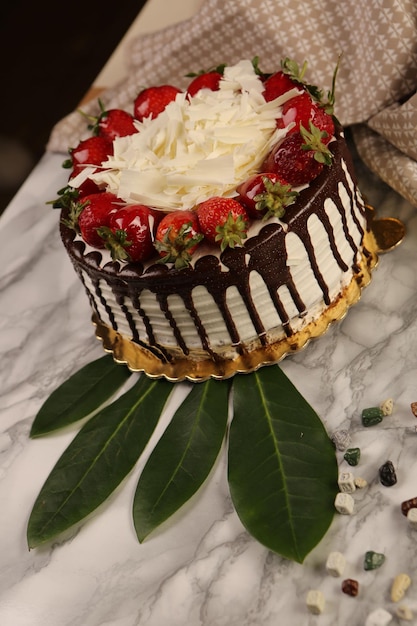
(382, 236)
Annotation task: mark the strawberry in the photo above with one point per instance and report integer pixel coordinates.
(300, 157)
(276, 85)
(90, 151)
(90, 213)
(265, 195)
(205, 80)
(130, 232)
(70, 194)
(223, 221)
(114, 123)
(150, 102)
(177, 238)
(300, 110)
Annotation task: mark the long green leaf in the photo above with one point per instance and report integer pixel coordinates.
(183, 457)
(97, 460)
(282, 467)
(84, 392)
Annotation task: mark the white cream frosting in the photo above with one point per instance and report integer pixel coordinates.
(198, 147)
(207, 309)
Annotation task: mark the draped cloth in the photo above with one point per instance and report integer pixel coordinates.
(376, 41)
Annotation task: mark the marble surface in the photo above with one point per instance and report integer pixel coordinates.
(201, 568)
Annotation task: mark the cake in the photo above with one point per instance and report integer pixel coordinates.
(203, 298)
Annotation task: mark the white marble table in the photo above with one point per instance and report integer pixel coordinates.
(202, 568)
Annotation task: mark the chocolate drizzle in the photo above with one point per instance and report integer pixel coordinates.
(264, 253)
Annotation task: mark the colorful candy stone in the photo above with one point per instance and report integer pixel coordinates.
(399, 586)
(414, 408)
(346, 482)
(372, 416)
(350, 587)
(344, 503)
(387, 475)
(387, 406)
(373, 560)
(352, 456)
(408, 504)
(404, 612)
(315, 601)
(412, 518)
(379, 617)
(335, 564)
(341, 439)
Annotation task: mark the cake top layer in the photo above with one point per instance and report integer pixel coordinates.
(199, 146)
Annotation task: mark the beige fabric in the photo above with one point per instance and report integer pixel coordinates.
(377, 40)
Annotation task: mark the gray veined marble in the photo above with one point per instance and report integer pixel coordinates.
(201, 568)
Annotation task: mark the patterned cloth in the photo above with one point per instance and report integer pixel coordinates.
(377, 41)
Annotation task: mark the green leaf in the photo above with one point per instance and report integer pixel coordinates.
(84, 392)
(282, 467)
(183, 457)
(97, 460)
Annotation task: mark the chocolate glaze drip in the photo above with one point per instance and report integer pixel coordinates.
(264, 253)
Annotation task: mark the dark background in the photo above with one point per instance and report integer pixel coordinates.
(50, 53)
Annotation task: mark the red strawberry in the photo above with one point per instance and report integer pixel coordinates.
(277, 84)
(91, 151)
(177, 238)
(300, 157)
(115, 123)
(111, 123)
(300, 110)
(223, 221)
(205, 80)
(153, 100)
(94, 212)
(131, 232)
(87, 187)
(265, 195)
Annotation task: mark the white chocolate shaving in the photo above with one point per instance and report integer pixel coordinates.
(197, 147)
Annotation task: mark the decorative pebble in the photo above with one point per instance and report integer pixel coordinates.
(346, 482)
(371, 416)
(379, 617)
(360, 482)
(412, 518)
(404, 612)
(350, 587)
(414, 408)
(335, 564)
(387, 406)
(399, 586)
(373, 560)
(352, 456)
(387, 475)
(408, 504)
(344, 503)
(315, 601)
(341, 440)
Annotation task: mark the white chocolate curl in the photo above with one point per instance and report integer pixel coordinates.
(197, 147)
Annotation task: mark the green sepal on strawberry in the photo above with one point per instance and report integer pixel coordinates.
(87, 215)
(130, 233)
(266, 195)
(223, 221)
(177, 238)
(300, 157)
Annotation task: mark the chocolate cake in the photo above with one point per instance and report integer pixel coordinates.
(235, 308)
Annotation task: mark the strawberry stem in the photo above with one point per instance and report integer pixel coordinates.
(276, 197)
(232, 232)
